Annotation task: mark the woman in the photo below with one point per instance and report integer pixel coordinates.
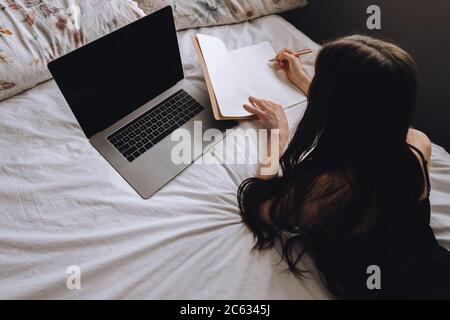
(354, 190)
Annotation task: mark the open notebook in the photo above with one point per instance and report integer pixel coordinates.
(233, 76)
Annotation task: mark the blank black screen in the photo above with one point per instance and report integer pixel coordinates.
(109, 78)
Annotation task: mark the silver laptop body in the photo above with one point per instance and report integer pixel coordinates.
(92, 87)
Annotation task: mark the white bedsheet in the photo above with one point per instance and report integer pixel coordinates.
(61, 204)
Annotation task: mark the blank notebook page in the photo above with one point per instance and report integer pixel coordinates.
(236, 75)
(226, 77)
(262, 78)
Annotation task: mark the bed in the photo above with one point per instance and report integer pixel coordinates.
(61, 204)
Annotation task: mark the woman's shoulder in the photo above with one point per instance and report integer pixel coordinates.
(420, 140)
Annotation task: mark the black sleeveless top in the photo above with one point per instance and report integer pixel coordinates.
(428, 275)
(410, 261)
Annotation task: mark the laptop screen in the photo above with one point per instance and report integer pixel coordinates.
(111, 77)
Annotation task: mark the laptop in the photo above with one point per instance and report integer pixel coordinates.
(128, 93)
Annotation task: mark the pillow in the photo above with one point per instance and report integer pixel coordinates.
(150, 6)
(201, 13)
(34, 32)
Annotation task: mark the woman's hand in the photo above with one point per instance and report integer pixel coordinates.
(272, 117)
(289, 62)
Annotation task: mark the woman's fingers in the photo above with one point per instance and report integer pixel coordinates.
(259, 104)
(284, 59)
(286, 50)
(255, 109)
(283, 52)
(269, 104)
(285, 56)
(264, 104)
(278, 56)
(269, 113)
(250, 108)
(280, 65)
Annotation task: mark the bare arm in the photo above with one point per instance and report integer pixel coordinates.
(274, 120)
(292, 65)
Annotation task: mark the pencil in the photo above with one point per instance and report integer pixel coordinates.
(297, 54)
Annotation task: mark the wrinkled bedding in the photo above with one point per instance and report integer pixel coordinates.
(61, 204)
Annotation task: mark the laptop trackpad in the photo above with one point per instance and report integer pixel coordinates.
(152, 170)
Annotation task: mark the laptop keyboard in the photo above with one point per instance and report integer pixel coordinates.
(154, 125)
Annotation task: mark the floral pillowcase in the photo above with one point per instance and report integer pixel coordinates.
(34, 32)
(201, 13)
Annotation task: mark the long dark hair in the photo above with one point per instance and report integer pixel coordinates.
(347, 161)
